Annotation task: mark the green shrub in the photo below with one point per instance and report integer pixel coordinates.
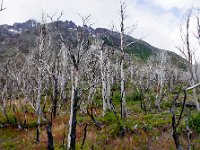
(135, 96)
(120, 127)
(108, 118)
(117, 97)
(8, 145)
(176, 89)
(194, 121)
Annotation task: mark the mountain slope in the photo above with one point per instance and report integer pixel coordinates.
(20, 37)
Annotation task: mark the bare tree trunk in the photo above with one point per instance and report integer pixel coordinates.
(50, 145)
(122, 80)
(157, 102)
(91, 90)
(108, 93)
(74, 108)
(132, 72)
(123, 99)
(175, 125)
(55, 96)
(103, 79)
(188, 134)
(38, 102)
(63, 75)
(85, 134)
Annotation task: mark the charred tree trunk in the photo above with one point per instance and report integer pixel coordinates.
(50, 145)
(175, 123)
(85, 134)
(175, 134)
(55, 96)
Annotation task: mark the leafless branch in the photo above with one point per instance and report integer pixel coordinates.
(192, 87)
(2, 8)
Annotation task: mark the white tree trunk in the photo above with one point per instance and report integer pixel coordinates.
(132, 71)
(123, 99)
(108, 94)
(63, 75)
(91, 91)
(103, 79)
(194, 94)
(38, 102)
(73, 112)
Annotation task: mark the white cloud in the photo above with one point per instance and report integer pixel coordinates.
(156, 28)
(170, 4)
(157, 21)
(21, 10)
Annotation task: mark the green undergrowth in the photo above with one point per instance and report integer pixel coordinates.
(139, 130)
(194, 121)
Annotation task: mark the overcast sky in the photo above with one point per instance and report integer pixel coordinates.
(157, 20)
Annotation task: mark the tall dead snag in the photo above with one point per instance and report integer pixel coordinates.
(91, 70)
(64, 61)
(103, 80)
(58, 68)
(39, 59)
(122, 76)
(39, 80)
(105, 69)
(188, 51)
(75, 57)
(74, 107)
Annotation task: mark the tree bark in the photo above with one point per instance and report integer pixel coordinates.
(50, 145)
(74, 108)
(55, 96)
(103, 79)
(123, 99)
(122, 77)
(38, 102)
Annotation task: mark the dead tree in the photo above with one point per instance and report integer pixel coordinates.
(39, 84)
(160, 67)
(188, 52)
(75, 55)
(105, 70)
(122, 76)
(50, 145)
(39, 61)
(63, 65)
(57, 69)
(175, 121)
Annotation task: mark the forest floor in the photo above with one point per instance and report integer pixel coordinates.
(140, 131)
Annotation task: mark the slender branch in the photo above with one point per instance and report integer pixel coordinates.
(183, 106)
(85, 134)
(192, 87)
(1, 9)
